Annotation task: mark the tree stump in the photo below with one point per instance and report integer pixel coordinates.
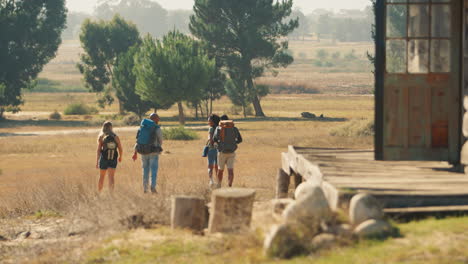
(282, 184)
(231, 210)
(188, 212)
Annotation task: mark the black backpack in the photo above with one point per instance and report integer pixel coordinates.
(109, 147)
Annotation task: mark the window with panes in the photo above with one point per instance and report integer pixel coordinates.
(418, 36)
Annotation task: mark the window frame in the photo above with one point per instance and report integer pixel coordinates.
(407, 38)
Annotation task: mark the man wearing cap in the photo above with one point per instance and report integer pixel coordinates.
(150, 161)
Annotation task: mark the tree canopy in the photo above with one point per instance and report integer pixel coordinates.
(172, 70)
(102, 42)
(246, 35)
(125, 81)
(30, 33)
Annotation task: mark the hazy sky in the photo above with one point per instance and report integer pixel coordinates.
(305, 5)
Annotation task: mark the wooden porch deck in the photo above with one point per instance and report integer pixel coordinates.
(402, 186)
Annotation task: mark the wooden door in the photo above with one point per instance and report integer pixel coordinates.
(421, 84)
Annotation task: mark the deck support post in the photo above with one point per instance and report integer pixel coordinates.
(297, 179)
(282, 184)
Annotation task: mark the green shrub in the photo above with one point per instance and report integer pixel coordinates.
(131, 120)
(55, 115)
(355, 128)
(351, 55)
(322, 54)
(179, 133)
(318, 63)
(302, 55)
(336, 55)
(80, 109)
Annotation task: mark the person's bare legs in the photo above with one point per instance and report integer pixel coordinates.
(111, 178)
(102, 176)
(211, 168)
(230, 177)
(220, 177)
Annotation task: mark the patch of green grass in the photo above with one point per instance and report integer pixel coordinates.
(179, 133)
(427, 241)
(46, 214)
(80, 109)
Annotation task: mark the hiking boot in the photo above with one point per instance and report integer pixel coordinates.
(153, 191)
(218, 185)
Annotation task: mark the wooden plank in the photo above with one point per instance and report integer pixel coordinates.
(391, 111)
(292, 158)
(427, 209)
(439, 122)
(308, 170)
(416, 117)
(285, 163)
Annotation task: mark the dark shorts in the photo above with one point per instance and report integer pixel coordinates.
(212, 157)
(105, 164)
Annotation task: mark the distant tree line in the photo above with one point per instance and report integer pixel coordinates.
(149, 17)
(342, 26)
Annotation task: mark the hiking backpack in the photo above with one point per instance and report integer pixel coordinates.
(146, 136)
(109, 147)
(227, 136)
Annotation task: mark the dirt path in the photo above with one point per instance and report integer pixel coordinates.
(77, 131)
(64, 132)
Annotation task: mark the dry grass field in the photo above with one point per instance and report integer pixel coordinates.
(55, 175)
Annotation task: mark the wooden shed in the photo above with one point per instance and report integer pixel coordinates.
(421, 80)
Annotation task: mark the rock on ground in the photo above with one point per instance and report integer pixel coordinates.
(373, 228)
(363, 207)
(310, 210)
(323, 241)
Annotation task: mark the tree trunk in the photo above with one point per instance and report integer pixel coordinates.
(255, 101)
(196, 111)
(211, 106)
(201, 110)
(181, 113)
(121, 107)
(2, 110)
(257, 107)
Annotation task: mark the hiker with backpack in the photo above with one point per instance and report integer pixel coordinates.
(211, 150)
(109, 152)
(227, 136)
(149, 146)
